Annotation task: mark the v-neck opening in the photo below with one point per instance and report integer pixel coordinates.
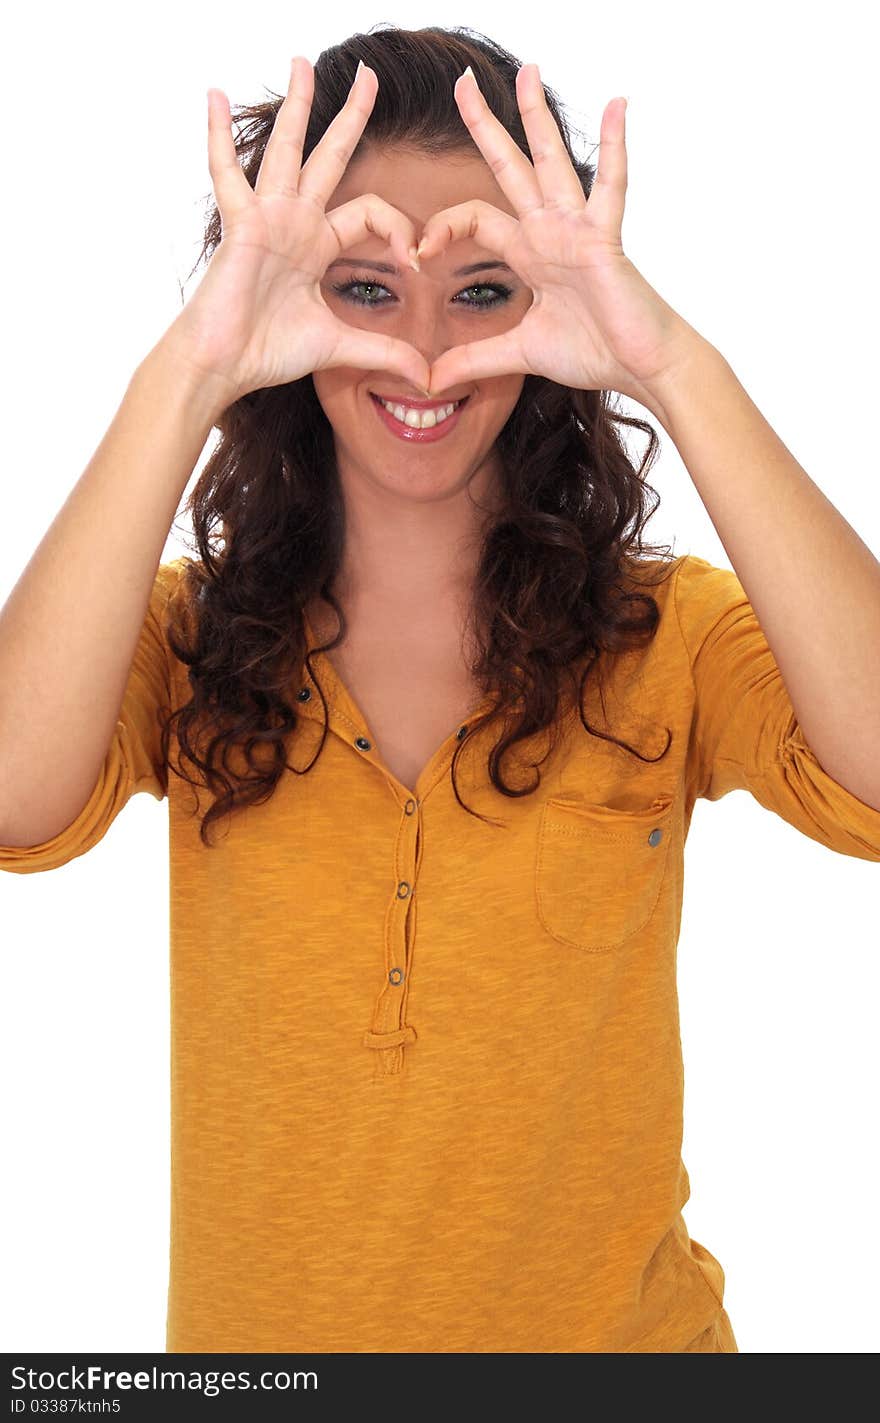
(355, 714)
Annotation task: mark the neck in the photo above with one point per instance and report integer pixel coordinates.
(407, 558)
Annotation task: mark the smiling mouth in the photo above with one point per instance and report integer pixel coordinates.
(412, 402)
(411, 413)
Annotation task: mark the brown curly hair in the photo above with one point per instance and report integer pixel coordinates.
(550, 590)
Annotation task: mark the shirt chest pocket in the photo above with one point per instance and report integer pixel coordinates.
(599, 870)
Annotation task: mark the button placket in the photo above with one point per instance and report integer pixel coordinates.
(389, 1032)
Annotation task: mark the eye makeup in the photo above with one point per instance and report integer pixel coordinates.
(501, 292)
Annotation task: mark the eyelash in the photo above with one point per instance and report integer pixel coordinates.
(344, 288)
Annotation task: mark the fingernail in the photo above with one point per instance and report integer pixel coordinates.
(420, 246)
(467, 71)
(414, 259)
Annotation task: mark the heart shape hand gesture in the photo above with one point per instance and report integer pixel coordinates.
(594, 322)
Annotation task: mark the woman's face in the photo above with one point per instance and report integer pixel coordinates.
(432, 310)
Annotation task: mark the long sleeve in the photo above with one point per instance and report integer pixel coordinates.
(133, 762)
(745, 734)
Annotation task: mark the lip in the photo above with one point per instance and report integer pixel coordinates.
(407, 432)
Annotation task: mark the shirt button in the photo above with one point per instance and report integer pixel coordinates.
(403, 889)
(410, 807)
(304, 694)
(395, 975)
(362, 743)
(655, 837)
(462, 732)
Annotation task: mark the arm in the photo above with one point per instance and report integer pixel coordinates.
(813, 583)
(69, 628)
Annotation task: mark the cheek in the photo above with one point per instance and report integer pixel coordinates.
(502, 392)
(348, 312)
(335, 385)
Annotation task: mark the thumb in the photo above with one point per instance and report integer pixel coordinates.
(370, 351)
(478, 360)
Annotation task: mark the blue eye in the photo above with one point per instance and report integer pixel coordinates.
(500, 293)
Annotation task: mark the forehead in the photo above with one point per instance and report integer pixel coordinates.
(420, 184)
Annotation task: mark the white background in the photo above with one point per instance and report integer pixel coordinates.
(752, 136)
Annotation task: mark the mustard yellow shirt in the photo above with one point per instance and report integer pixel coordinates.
(426, 1075)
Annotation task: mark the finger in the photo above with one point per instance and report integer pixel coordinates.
(371, 216)
(231, 188)
(478, 360)
(488, 225)
(326, 164)
(608, 193)
(559, 183)
(368, 350)
(513, 172)
(282, 156)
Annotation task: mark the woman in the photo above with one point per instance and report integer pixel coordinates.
(426, 1070)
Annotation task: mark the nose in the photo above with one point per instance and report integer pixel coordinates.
(426, 325)
(427, 319)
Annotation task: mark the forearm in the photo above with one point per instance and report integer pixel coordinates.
(814, 584)
(70, 626)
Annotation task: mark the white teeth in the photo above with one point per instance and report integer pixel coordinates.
(419, 419)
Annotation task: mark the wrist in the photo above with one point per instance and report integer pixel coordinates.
(688, 369)
(204, 395)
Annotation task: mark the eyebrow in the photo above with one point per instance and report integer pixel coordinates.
(395, 271)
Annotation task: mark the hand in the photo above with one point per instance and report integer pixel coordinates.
(595, 323)
(258, 318)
